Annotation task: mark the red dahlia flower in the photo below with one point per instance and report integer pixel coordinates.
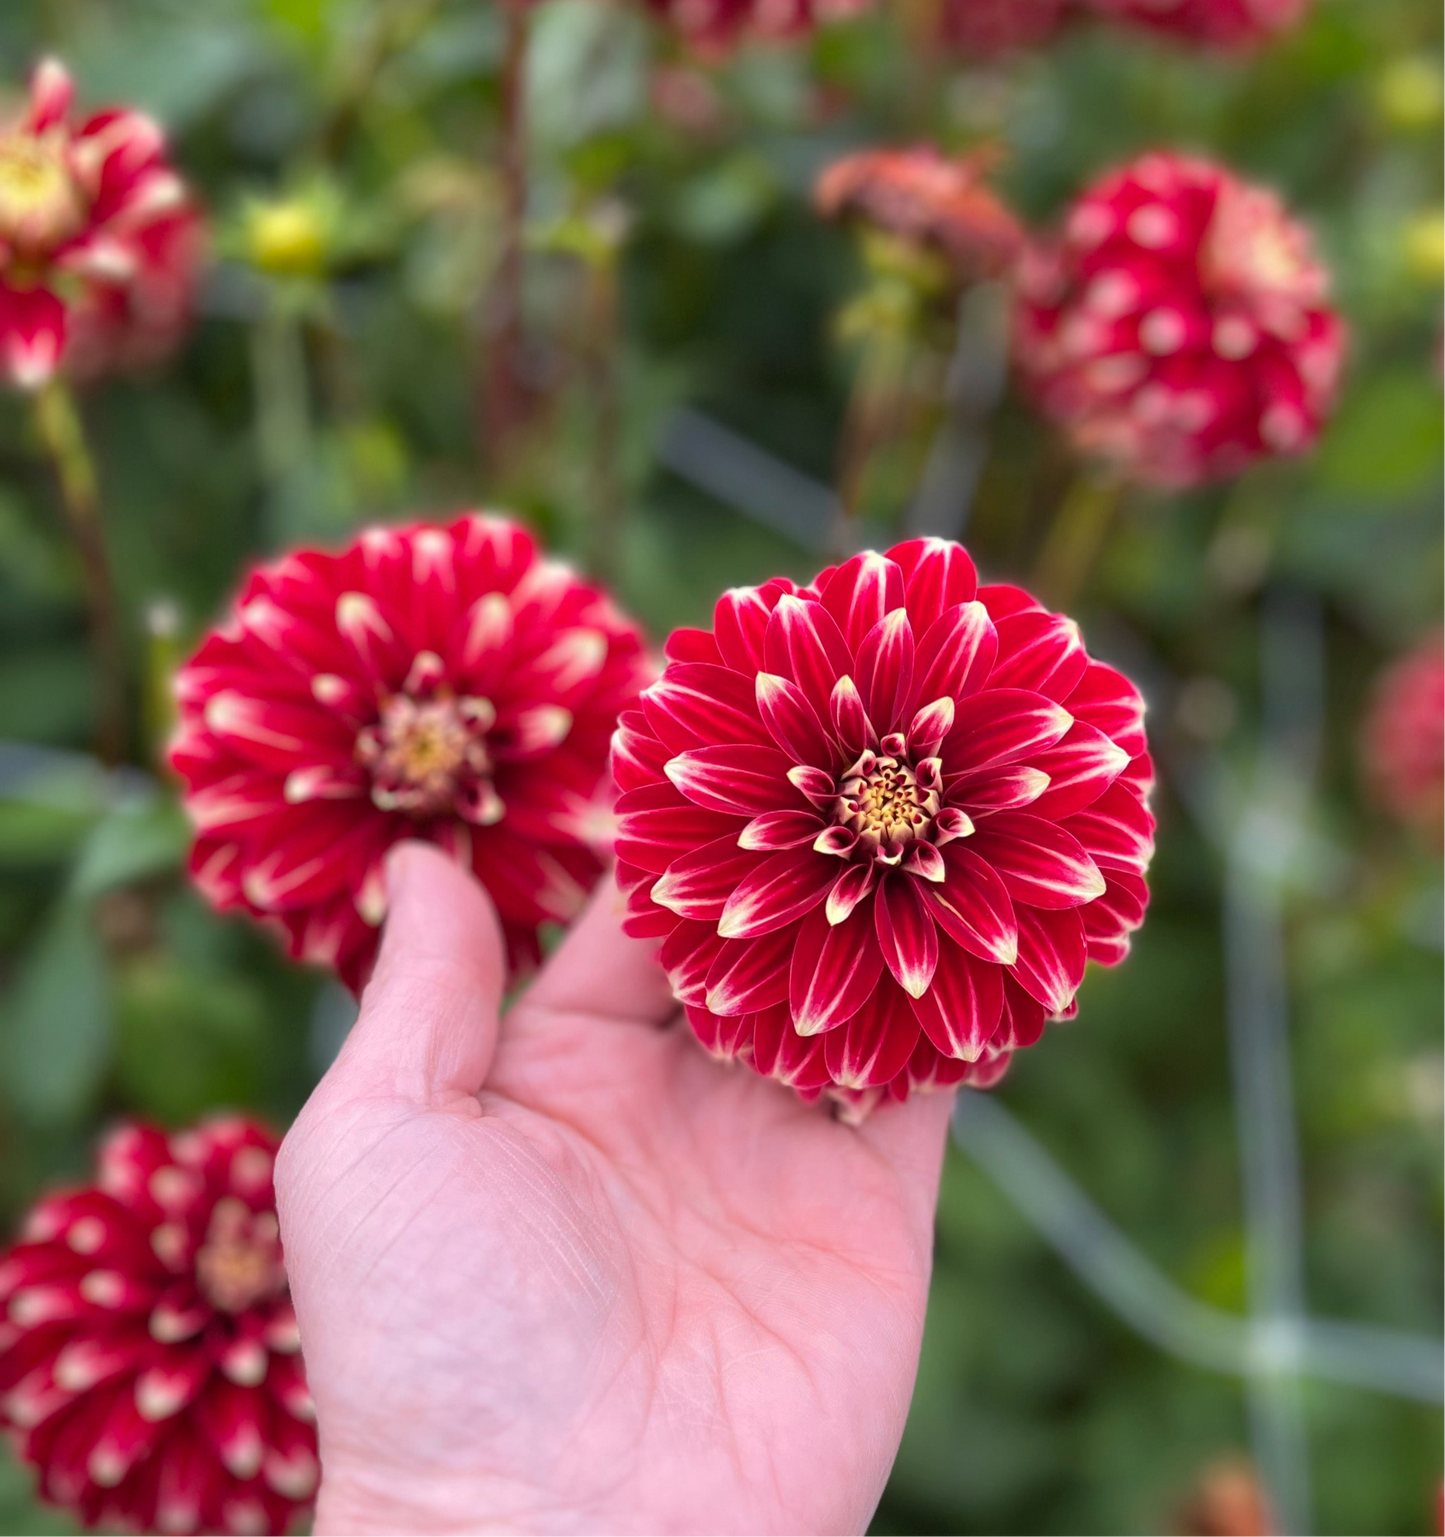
(986, 28)
(430, 682)
(149, 1359)
(718, 23)
(880, 823)
(1404, 738)
(99, 242)
(927, 200)
(1216, 23)
(1179, 326)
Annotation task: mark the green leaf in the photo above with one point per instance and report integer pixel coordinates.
(57, 1024)
(133, 843)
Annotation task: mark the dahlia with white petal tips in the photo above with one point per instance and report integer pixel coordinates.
(435, 682)
(1179, 325)
(1215, 23)
(711, 24)
(149, 1358)
(1404, 738)
(100, 243)
(881, 823)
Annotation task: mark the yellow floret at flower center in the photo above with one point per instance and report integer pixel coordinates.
(40, 203)
(420, 752)
(239, 1265)
(886, 804)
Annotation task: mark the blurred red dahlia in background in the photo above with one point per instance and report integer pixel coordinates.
(930, 200)
(1178, 327)
(437, 682)
(881, 823)
(717, 23)
(149, 1359)
(1217, 23)
(987, 28)
(99, 242)
(1404, 737)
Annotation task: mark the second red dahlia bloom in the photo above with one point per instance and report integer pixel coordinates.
(717, 23)
(99, 241)
(1404, 737)
(882, 822)
(149, 1357)
(1215, 23)
(436, 682)
(1179, 326)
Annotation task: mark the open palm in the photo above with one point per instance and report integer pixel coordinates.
(573, 1274)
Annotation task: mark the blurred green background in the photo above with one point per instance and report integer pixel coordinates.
(675, 263)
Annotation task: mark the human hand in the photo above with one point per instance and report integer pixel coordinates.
(572, 1274)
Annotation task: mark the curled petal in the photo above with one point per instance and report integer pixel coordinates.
(930, 725)
(906, 934)
(804, 644)
(776, 891)
(740, 621)
(814, 784)
(780, 830)
(885, 669)
(745, 780)
(850, 720)
(792, 722)
(956, 654)
(937, 575)
(849, 890)
(860, 592)
(1005, 787)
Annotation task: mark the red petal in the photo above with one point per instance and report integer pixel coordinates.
(687, 955)
(720, 1036)
(1117, 829)
(834, 969)
(32, 334)
(698, 706)
(972, 906)
(792, 722)
(778, 890)
(906, 934)
(701, 883)
(850, 720)
(653, 837)
(383, 656)
(1080, 768)
(750, 974)
(805, 644)
(740, 779)
(740, 621)
(885, 670)
(685, 645)
(1001, 600)
(1038, 861)
(1004, 788)
(1052, 955)
(875, 1044)
(780, 830)
(962, 1009)
(1041, 652)
(1110, 920)
(849, 890)
(1002, 725)
(1105, 698)
(860, 592)
(956, 654)
(638, 758)
(937, 574)
(781, 1053)
(276, 735)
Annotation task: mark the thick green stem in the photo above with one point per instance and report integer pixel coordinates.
(283, 411)
(1077, 535)
(63, 434)
(876, 405)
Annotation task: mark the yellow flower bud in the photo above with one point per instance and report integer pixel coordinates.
(1410, 93)
(1424, 243)
(286, 239)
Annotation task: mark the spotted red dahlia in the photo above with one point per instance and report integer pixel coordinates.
(880, 823)
(986, 28)
(149, 1359)
(1216, 23)
(939, 203)
(99, 242)
(1404, 737)
(717, 23)
(1179, 327)
(438, 682)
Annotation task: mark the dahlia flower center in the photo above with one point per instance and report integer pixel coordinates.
(239, 1265)
(40, 203)
(886, 802)
(427, 755)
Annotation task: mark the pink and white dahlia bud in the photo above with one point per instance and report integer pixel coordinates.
(939, 204)
(150, 1365)
(100, 244)
(984, 29)
(1403, 743)
(1214, 23)
(1178, 327)
(712, 24)
(443, 682)
(882, 822)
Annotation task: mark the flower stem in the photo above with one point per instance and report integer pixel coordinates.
(876, 405)
(602, 379)
(1077, 535)
(63, 434)
(505, 398)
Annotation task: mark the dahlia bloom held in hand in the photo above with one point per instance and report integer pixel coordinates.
(713, 24)
(881, 823)
(149, 1358)
(929, 201)
(99, 242)
(1215, 23)
(435, 682)
(1404, 738)
(1178, 327)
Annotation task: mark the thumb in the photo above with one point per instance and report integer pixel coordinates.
(428, 1022)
